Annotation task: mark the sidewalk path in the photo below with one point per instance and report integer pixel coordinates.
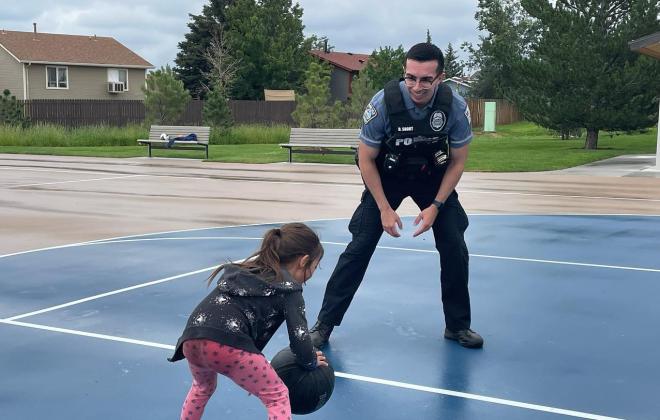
(626, 165)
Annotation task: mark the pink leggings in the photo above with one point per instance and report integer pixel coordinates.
(250, 371)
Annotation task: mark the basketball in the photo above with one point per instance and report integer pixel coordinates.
(309, 390)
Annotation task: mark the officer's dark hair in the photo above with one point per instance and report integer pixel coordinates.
(425, 51)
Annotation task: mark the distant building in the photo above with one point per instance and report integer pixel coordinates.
(345, 66)
(460, 85)
(55, 66)
(279, 95)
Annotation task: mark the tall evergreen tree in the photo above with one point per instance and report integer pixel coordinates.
(11, 111)
(580, 71)
(428, 36)
(453, 66)
(216, 112)
(509, 32)
(362, 92)
(267, 37)
(314, 108)
(191, 64)
(384, 65)
(165, 98)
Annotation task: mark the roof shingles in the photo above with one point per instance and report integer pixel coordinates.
(69, 49)
(347, 61)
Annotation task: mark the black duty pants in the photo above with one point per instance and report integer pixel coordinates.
(366, 228)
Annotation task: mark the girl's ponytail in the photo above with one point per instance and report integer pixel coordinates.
(279, 247)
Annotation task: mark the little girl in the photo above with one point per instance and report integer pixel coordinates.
(228, 330)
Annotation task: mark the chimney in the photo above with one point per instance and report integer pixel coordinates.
(34, 24)
(325, 45)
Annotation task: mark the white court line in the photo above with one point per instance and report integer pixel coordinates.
(589, 197)
(92, 242)
(114, 292)
(151, 283)
(62, 171)
(87, 334)
(361, 186)
(261, 181)
(50, 248)
(476, 397)
(615, 267)
(76, 180)
(497, 257)
(361, 378)
(186, 238)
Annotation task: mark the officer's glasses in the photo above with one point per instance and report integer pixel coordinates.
(424, 82)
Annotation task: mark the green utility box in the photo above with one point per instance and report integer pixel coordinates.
(490, 116)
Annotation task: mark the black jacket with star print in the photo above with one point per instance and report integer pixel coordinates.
(245, 309)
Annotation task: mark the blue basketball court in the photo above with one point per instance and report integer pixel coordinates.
(567, 306)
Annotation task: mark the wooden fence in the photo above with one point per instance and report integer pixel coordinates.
(507, 112)
(81, 112)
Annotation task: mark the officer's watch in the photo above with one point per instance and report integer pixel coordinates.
(438, 204)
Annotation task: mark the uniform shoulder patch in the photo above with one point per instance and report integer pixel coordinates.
(369, 114)
(467, 114)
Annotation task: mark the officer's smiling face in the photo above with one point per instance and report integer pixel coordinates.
(417, 76)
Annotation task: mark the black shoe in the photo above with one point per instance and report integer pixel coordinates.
(320, 334)
(466, 338)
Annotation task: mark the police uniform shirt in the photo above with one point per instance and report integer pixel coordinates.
(376, 121)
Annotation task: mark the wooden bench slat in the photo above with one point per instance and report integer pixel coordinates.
(322, 140)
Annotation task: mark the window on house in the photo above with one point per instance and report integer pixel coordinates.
(57, 77)
(118, 76)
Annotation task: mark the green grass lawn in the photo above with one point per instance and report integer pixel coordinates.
(525, 147)
(513, 148)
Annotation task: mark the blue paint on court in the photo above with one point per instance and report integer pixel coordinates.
(558, 335)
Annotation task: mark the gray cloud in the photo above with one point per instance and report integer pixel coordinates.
(153, 28)
(367, 25)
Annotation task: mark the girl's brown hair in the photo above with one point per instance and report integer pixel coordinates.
(280, 247)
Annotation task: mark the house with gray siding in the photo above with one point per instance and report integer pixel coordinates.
(37, 65)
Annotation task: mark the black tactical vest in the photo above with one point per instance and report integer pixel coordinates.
(416, 149)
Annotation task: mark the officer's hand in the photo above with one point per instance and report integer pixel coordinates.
(426, 217)
(390, 221)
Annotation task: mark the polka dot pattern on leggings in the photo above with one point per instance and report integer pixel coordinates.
(207, 358)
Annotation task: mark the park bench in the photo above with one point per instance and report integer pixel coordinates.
(322, 141)
(156, 142)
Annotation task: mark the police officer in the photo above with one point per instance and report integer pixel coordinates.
(414, 143)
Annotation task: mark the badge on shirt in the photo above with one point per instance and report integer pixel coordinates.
(438, 120)
(369, 114)
(467, 115)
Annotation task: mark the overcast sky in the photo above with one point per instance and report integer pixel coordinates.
(153, 28)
